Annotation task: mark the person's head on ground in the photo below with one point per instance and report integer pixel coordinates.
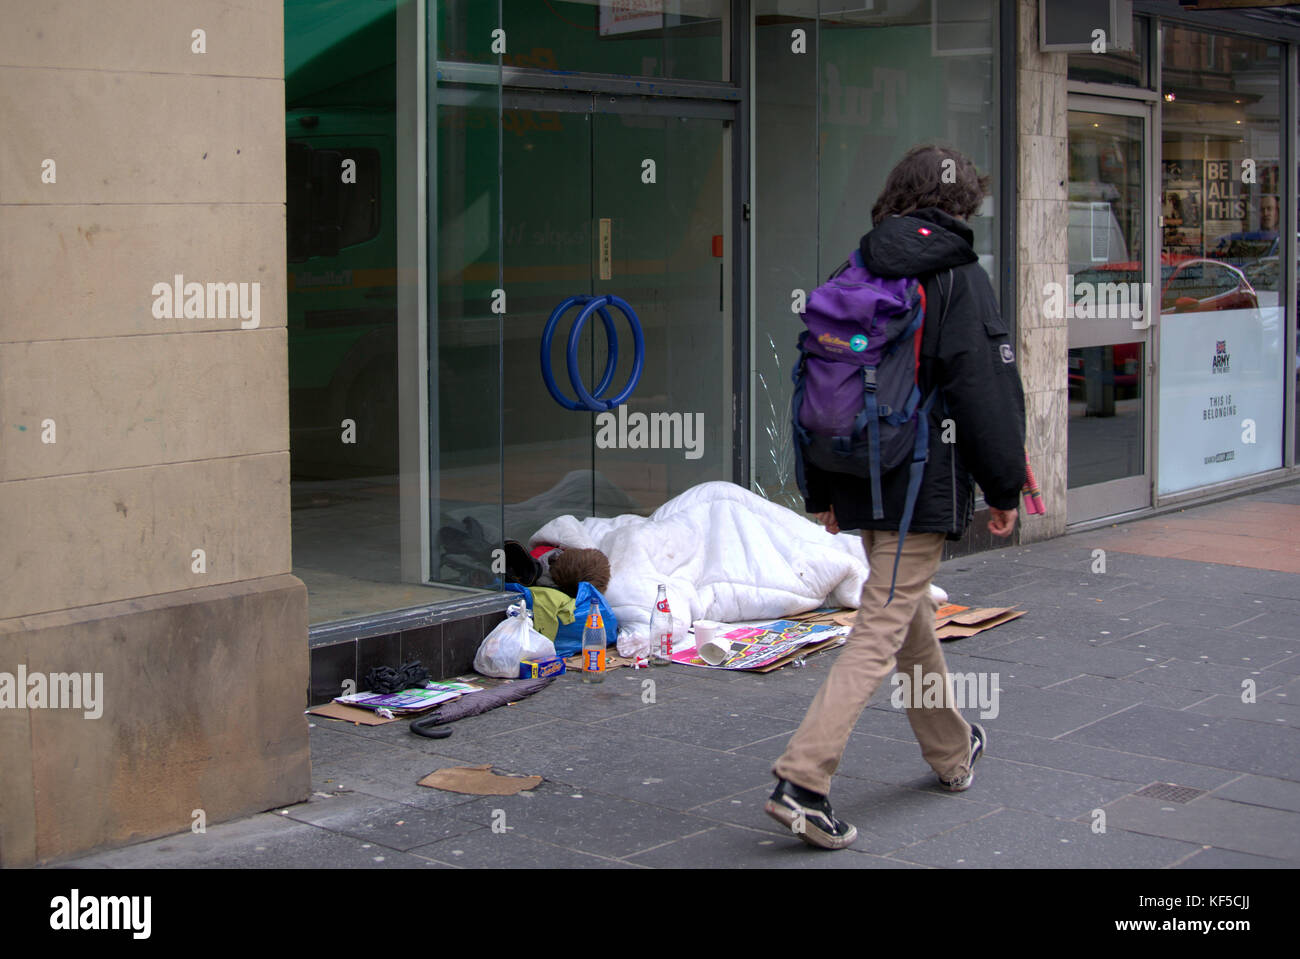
(576, 566)
(932, 176)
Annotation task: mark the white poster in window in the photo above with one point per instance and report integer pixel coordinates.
(1221, 390)
(630, 16)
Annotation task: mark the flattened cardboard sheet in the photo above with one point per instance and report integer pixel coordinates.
(352, 714)
(966, 624)
(478, 781)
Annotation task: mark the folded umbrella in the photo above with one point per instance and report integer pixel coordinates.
(471, 704)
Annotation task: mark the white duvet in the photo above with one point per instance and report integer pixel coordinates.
(724, 553)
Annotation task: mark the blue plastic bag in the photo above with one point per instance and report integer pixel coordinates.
(568, 641)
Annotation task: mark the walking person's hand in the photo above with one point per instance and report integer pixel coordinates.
(827, 519)
(1002, 521)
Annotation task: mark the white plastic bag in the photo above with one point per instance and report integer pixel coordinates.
(634, 641)
(510, 643)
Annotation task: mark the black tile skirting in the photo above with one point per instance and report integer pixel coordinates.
(443, 638)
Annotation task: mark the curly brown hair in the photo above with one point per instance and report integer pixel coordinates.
(922, 179)
(575, 566)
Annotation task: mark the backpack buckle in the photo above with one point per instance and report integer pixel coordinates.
(869, 378)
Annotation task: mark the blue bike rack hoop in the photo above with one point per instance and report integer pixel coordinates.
(592, 401)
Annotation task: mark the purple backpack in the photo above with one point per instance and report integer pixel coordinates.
(857, 406)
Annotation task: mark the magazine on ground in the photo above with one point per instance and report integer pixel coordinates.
(413, 700)
(754, 645)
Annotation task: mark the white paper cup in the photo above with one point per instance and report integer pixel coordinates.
(704, 631)
(712, 648)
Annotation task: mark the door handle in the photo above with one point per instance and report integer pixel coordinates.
(592, 304)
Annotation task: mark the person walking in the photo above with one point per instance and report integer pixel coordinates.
(919, 230)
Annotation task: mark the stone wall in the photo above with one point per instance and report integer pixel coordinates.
(1042, 218)
(144, 467)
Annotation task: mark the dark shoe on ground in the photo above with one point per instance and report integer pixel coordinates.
(808, 815)
(978, 740)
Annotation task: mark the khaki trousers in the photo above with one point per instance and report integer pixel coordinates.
(900, 634)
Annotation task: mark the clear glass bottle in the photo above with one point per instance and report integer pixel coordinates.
(661, 630)
(593, 646)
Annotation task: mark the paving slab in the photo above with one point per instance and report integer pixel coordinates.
(583, 819)
(1261, 791)
(1054, 792)
(1227, 859)
(1013, 838)
(1259, 711)
(395, 825)
(750, 849)
(1016, 674)
(1289, 666)
(1118, 764)
(1218, 646)
(701, 724)
(1082, 653)
(1130, 692)
(484, 849)
(644, 768)
(1105, 596)
(392, 773)
(1257, 830)
(1045, 712)
(1208, 678)
(1193, 578)
(259, 842)
(1225, 743)
(1187, 612)
(1066, 554)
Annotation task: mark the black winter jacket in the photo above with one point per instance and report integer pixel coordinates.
(966, 352)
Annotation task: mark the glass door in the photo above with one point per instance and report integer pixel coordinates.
(617, 203)
(555, 190)
(660, 199)
(546, 453)
(1110, 309)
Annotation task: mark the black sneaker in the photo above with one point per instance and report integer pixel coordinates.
(808, 815)
(978, 740)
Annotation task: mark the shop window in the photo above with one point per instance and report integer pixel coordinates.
(345, 446)
(1221, 361)
(831, 119)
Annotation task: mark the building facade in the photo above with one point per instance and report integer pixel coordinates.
(309, 309)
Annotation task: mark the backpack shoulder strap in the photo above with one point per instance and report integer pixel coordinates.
(855, 259)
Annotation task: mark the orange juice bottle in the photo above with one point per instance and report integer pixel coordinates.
(593, 647)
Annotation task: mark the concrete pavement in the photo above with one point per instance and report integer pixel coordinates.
(1124, 702)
